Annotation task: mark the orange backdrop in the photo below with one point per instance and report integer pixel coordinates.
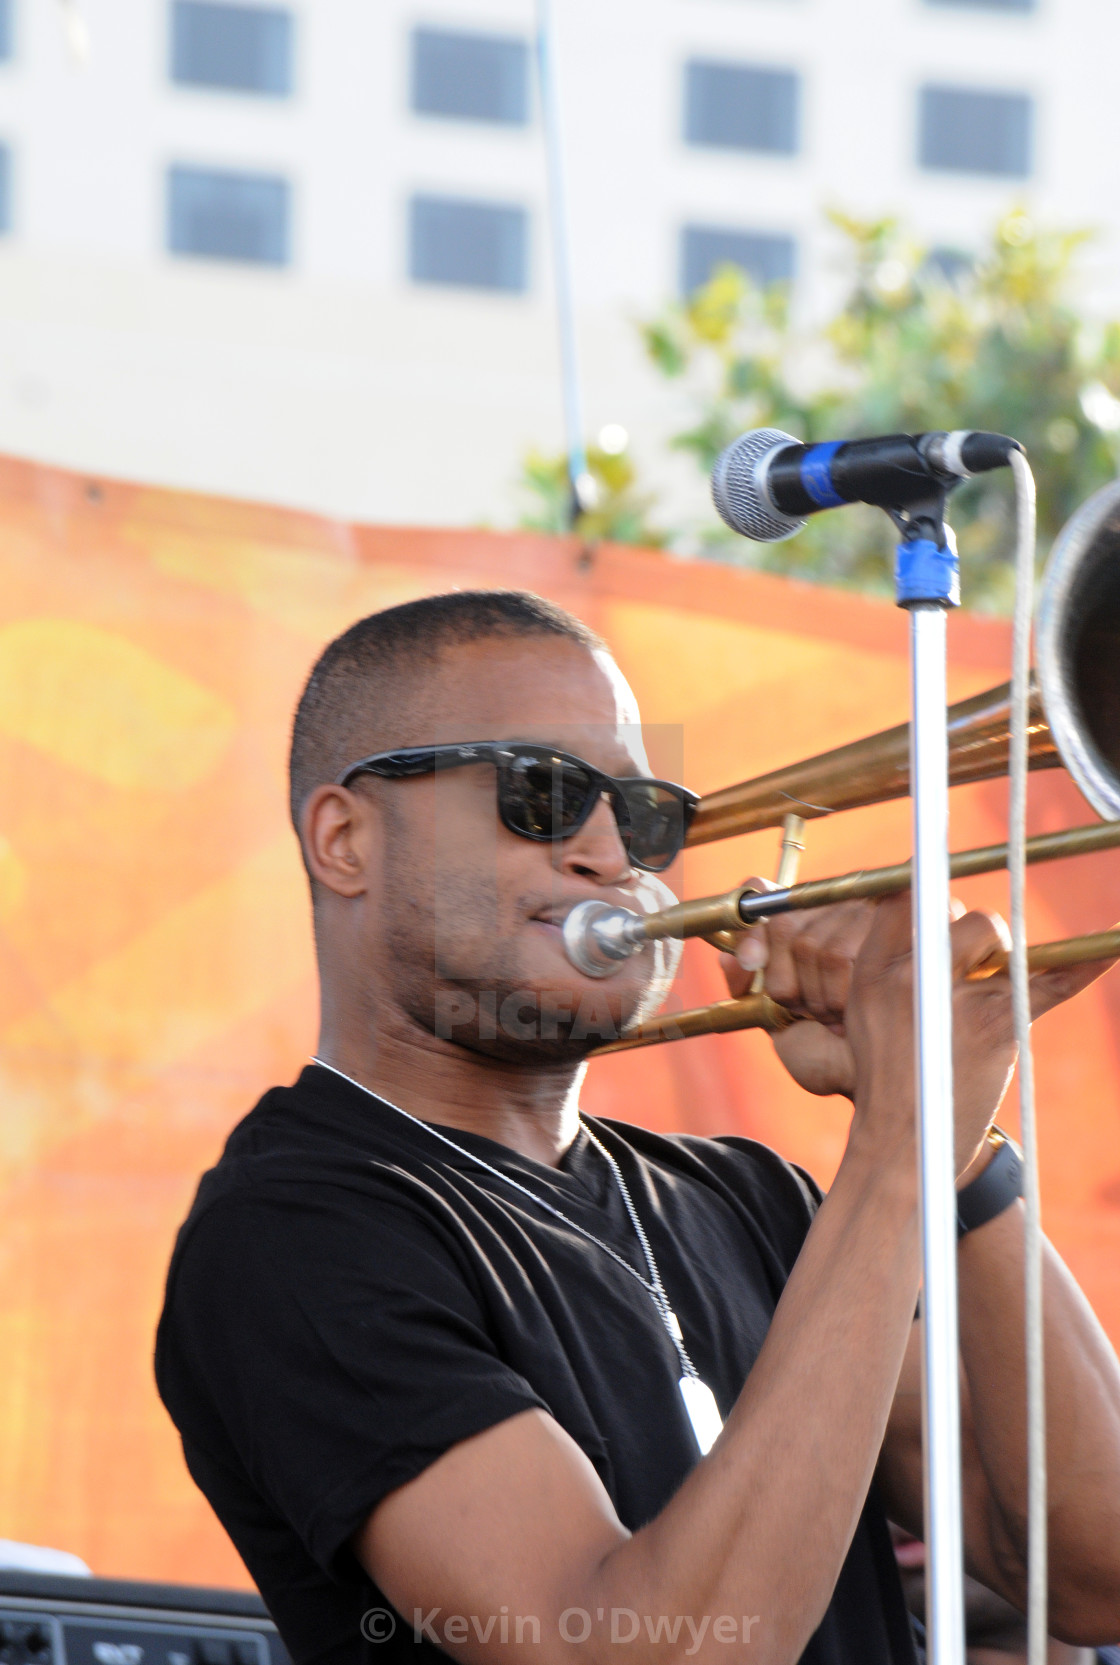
(155, 953)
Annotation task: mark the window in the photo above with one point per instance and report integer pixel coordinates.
(228, 216)
(470, 77)
(235, 48)
(765, 257)
(988, 5)
(5, 189)
(473, 245)
(740, 107)
(965, 131)
(7, 29)
(948, 265)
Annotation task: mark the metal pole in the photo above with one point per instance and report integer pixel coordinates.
(579, 482)
(933, 1018)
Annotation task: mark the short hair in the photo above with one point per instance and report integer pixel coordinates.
(365, 690)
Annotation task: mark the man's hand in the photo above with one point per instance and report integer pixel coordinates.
(846, 971)
(807, 959)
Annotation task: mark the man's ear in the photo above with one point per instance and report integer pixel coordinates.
(338, 835)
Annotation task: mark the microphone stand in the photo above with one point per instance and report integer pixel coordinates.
(580, 483)
(927, 585)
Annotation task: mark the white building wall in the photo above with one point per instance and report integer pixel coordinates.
(334, 383)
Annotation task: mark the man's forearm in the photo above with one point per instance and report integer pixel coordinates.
(1083, 1425)
(763, 1525)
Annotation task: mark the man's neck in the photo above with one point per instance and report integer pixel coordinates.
(533, 1111)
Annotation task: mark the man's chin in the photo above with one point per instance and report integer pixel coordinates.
(539, 1026)
(563, 1053)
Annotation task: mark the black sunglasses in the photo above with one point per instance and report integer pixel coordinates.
(547, 795)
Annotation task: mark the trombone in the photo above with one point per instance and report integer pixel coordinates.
(1074, 723)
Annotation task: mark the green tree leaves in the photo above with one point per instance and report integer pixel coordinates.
(922, 340)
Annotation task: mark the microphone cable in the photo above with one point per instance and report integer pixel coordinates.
(1037, 1558)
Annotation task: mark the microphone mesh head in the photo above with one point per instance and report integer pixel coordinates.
(737, 494)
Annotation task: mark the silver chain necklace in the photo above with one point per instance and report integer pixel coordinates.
(699, 1400)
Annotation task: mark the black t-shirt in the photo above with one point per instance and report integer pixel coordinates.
(349, 1298)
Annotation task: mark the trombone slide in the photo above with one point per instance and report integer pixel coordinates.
(758, 1011)
(736, 910)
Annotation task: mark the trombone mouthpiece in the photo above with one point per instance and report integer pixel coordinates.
(598, 938)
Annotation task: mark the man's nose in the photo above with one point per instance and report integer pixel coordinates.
(596, 851)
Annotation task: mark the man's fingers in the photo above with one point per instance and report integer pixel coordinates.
(753, 951)
(888, 940)
(824, 953)
(809, 958)
(838, 954)
(738, 979)
(1050, 988)
(812, 955)
(974, 938)
(819, 1060)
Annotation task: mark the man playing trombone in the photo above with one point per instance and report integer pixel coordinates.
(446, 1357)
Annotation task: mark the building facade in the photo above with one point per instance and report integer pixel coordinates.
(300, 251)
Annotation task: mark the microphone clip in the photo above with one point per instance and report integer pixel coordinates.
(927, 571)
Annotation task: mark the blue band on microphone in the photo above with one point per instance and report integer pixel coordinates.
(816, 474)
(924, 572)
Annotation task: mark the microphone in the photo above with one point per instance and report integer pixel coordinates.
(766, 482)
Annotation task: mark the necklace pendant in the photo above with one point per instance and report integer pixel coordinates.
(703, 1412)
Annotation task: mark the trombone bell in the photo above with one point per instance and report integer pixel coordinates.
(1078, 640)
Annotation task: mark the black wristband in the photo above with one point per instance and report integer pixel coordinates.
(992, 1191)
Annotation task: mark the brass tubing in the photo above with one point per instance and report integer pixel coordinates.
(873, 769)
(708, 914)
(789, 859)
(758, 1011)
(789, 862)
(751, 1011)
(701, 918)
(1044, 956)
